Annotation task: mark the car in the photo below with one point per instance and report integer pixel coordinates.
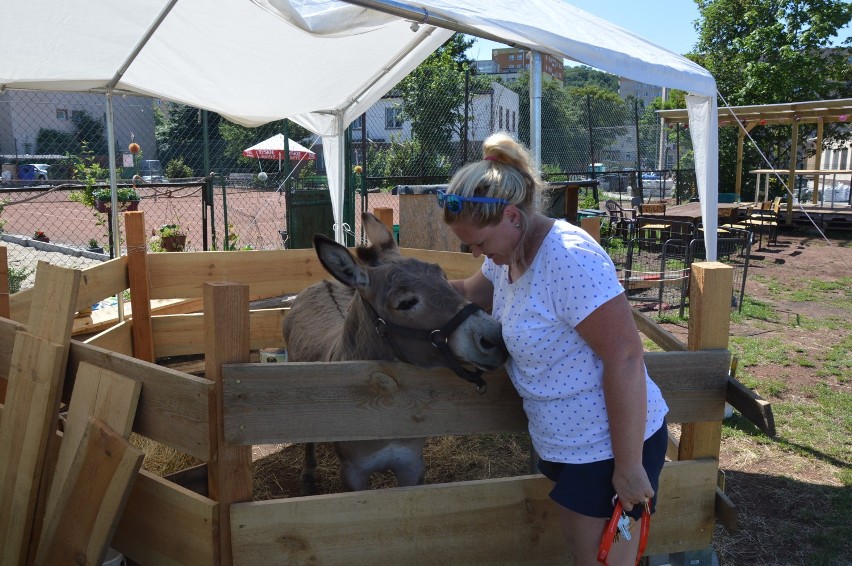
(33, 171)
(151, 171)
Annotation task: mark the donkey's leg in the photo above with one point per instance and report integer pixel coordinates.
(309, 470)
(408, 465)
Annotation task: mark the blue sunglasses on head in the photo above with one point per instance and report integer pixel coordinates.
(454, 203)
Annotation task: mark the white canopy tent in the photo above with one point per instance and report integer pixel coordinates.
(341, 58)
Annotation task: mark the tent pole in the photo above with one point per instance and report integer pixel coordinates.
(115, 243)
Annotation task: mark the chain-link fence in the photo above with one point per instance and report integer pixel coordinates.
(187, 169)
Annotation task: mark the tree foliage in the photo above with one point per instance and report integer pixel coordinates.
(770, 52)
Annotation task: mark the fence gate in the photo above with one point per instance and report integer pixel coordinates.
(309, 212)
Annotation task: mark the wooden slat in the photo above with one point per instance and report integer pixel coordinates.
(659, 335)
(301, 402)
(92, 498)
(502, 521)
(140, 285)
(226, 328)
(118, 339)
(173, 406)
(269, 273)
(99, 393)
(97, 282)
(693, 383)
(726, 511)
(29, 422)
(180, 335)
(751, 405)
(8, 328)
(5, 309)
(166, 525)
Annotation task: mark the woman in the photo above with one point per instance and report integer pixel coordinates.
(596, 420)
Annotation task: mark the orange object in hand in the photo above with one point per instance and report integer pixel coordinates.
(611, 531)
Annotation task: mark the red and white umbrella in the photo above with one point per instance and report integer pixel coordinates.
(273, 148)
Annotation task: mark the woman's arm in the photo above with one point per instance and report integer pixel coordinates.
(611, 332)
(476, 289)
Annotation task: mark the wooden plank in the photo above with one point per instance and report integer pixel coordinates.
(97, 282)
(99, 393)
(55, 293)
(502, 521)
(726, 511)
(709, 324)
(226, 328)
(593, 227)
(659, 335)
(751, 405)
(302, 402)
(105, 318)
(29, 422)
(421, 224)
(385, 215)
(179, 335)
(173, 406)
(5, 310)
(118, 338)
(307, 401)
(164, 524)
(8, 329)
(140, 285)
(88, 507)
(268, 273)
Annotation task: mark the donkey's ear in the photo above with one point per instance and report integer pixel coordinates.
(339, 262)
(380, 237)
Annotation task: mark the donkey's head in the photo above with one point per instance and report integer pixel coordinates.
(423, 319)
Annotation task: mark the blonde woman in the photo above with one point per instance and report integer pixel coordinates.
(596, 419)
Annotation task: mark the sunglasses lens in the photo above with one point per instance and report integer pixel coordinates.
(454, 204)
(442, 197)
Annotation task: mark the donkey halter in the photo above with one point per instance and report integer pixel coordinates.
(438, 338)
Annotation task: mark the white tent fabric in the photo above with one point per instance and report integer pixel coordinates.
(320, 63)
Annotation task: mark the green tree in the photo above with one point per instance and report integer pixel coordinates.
(769, 52)
(581, 75)
(601, 111)
(91, 132)
(56, 142)
(433, 100)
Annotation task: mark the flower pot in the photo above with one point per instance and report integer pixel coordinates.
(41, 238)
(95, 249)
(123, 205)
(173, 243)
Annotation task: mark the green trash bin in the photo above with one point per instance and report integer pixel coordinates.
(396, 233)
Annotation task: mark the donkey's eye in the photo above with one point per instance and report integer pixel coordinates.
(406, 304)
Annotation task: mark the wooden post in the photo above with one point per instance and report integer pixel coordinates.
(791, 178)
(710, 292)
(386, 216)
(5, 309)
(593, 227)
(140, 286)
(227, 333)
(817, 162)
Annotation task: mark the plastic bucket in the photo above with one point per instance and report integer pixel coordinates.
(273, 355)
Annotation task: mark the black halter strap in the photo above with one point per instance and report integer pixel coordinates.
(438, 338)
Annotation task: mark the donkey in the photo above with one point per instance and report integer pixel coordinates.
(383, 308)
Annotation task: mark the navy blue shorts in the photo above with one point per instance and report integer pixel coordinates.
(587, 488)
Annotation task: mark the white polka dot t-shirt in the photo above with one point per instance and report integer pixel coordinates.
(556, 373)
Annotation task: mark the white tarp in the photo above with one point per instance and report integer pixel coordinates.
(320, 63)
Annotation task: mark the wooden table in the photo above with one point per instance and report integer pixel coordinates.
(691, 211)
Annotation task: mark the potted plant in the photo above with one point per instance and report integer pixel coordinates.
(128, 199)
(172, 237)
(94, 247)
(40, 236)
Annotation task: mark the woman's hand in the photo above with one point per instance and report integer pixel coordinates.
(632, 485)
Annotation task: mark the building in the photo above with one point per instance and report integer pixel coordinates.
(25, 113)
(512, 61)
(643, 91)
(490, 111)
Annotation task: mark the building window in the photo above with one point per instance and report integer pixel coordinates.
(507, 118)
(511, 57)
(393, 118)
(500, 114)
(513, 122)
(77, 114)
(61, 113)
